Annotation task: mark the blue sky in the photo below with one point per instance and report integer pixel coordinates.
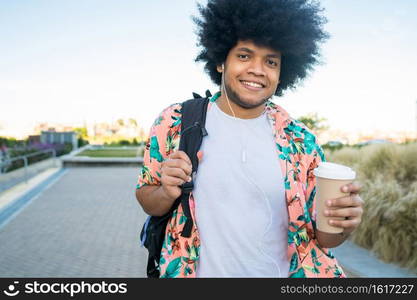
(93, 60)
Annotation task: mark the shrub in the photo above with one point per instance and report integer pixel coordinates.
(388, 223)
(81, 142)
(406, 171)
(332, 146)
(60, 149)
(11, 142)
(379, 159)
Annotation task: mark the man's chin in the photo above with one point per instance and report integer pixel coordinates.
(245, 101)
(249, 103)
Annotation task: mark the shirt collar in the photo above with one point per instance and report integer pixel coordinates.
(276, 114)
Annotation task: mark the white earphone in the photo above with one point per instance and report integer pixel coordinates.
(223, 87)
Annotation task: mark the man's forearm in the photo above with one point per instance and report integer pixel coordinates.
(153, 200)
(330, 240)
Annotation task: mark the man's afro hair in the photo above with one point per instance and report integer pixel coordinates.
(293, 27)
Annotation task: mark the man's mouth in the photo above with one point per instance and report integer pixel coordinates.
(252, 84)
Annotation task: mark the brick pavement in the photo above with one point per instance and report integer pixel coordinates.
(85, 225)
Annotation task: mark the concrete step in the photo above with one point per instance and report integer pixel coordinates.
(84, 161)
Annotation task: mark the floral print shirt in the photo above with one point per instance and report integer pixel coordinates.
(299, 154)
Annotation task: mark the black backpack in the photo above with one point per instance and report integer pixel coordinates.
(192, 132)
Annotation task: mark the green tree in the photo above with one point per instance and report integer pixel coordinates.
(133, 122)
(81, 132)
(314, 122)
(82, 136)
(9, 142)
(120, 122)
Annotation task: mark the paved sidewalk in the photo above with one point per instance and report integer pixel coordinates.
(86, 224)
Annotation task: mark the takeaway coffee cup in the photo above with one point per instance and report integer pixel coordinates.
(330, 177)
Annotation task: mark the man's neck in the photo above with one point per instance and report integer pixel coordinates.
(239, 112)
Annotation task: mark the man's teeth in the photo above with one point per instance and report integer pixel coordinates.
(252, 84)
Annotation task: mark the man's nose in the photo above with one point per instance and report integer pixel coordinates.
(257, 68)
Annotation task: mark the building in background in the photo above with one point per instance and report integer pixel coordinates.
(53, 137)
(97, 132)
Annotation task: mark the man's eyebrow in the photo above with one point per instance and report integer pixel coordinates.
(245, 49)
(251, 51)
(274, 55)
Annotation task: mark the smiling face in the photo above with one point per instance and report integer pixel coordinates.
(251, 74)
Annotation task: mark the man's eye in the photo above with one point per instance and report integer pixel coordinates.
(242, 56)
(272, 63)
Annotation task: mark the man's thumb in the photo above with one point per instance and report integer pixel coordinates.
(200, 155)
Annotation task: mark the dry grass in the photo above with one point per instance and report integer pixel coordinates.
(388, 174)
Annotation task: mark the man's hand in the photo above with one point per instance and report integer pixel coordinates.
(349, 207)
(175, 171)
(157, 200)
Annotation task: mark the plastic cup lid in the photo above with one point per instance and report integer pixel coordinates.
(334, 171)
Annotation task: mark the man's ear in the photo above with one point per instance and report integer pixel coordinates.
(220, 68)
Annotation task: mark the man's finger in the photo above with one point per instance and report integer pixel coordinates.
(181, 155)
(178, 163)
(343, 212)
(173, 181)
(351, 223)
(347, 201)
(353, 187)
(176, 172)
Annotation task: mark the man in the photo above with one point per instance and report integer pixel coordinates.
(253, 199)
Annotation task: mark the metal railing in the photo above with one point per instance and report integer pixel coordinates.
(8, 162)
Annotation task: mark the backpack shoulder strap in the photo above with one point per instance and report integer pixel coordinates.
(192, 132)
(193, 129)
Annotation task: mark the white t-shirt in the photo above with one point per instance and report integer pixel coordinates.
(241, 211)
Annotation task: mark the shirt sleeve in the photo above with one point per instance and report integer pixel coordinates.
(318, 157)
(160, 144)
